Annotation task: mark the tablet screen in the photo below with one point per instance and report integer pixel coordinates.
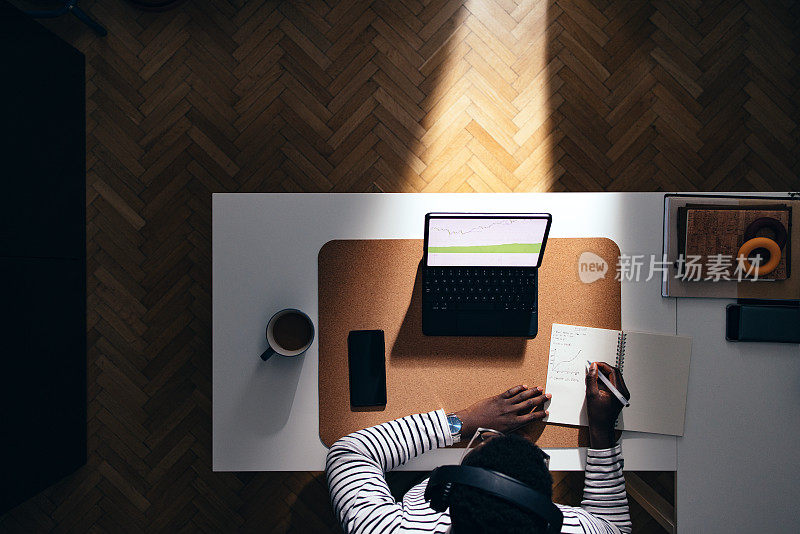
(485, 241)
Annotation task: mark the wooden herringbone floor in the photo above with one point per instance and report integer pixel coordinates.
(409, 95)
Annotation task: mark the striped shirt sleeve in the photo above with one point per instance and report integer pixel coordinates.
(356, 464)
(604, 507)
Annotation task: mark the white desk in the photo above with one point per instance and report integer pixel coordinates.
(265, 415)
(737, 463)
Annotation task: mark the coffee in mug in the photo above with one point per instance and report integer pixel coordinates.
(289, 333)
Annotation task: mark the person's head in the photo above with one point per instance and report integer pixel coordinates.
(475, 512)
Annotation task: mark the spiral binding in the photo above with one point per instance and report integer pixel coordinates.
(621, 340)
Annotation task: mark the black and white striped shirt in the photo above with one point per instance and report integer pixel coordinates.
(363, 503)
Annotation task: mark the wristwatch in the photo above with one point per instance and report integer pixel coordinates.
(455, 427)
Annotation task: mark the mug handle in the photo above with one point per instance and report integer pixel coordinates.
(267, 354)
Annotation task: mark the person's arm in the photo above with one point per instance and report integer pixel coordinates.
(604, 494)
(356, 463)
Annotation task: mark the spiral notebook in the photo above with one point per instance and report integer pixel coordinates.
(655, 368)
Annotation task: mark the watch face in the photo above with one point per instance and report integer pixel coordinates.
(455, 424)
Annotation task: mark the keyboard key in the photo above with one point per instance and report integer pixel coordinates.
(472, 306)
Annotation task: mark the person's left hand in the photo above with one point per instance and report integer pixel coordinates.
(507, 411)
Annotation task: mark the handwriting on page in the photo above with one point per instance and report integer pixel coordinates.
(567, 360)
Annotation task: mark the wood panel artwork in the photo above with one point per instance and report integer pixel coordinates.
(715, 236)
(359, 96)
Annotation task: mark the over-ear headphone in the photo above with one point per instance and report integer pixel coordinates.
(440, 486)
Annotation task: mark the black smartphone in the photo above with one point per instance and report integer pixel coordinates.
(367, 364)
(752, 322)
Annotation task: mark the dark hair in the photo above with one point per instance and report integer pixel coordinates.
(475, 512)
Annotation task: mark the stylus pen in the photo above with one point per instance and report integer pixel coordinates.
(609, 385)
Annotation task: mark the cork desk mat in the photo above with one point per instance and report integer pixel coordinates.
(376, 285)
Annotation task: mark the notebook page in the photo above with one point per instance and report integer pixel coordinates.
(570, 348)
(656, 372)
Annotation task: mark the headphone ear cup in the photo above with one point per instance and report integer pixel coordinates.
(436, 500)
(444, 497)
(438, 494)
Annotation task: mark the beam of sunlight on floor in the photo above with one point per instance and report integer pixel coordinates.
(488, 111)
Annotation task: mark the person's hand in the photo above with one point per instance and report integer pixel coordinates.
(602, 406)
(504, 412)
